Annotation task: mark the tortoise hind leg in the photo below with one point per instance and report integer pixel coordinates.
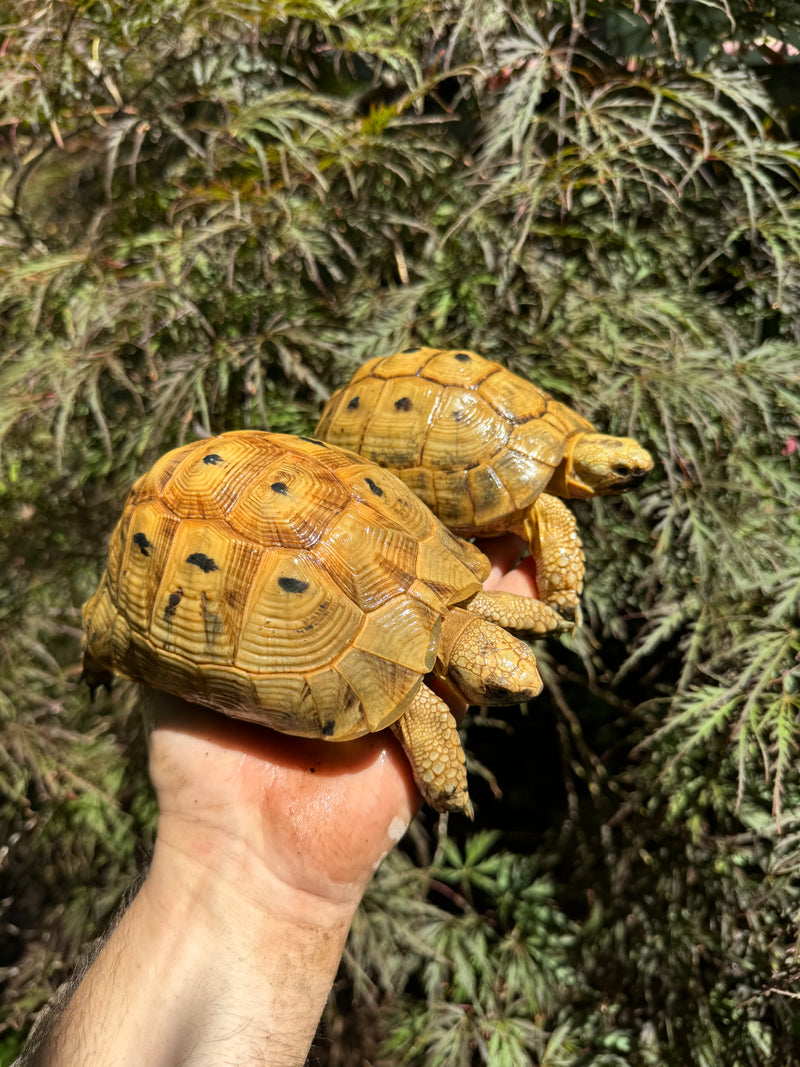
(428, 733)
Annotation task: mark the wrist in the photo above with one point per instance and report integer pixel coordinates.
(206, 958)
(214, 875)
(250, 956)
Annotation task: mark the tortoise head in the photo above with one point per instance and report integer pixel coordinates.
(598, 465)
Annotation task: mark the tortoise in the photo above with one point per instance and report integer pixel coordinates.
(292, 583)
(480, 445)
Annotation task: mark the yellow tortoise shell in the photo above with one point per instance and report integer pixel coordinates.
(278, 579)
(473, 440)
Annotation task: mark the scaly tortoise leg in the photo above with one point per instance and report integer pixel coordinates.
(522, 614)
(486, 665)
(428, 733)
(551, 532)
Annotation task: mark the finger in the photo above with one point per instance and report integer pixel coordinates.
(509, 572)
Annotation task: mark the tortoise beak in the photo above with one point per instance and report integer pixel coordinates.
(632, 480)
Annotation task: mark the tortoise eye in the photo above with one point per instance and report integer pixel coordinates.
(622, 469)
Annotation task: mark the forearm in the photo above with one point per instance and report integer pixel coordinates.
(202, 971)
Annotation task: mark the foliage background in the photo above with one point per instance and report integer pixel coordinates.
(209, 215)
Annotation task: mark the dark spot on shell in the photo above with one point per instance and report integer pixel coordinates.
(376, 489)
(213, 459)
(172, 604)
(458, 416)
(144, 546)
(204, 562)
(353, 404)
(463, 357)
(328, 728)
(312, 770)
(280, 487)
(312, 440)
(403, 404)
(292, 585)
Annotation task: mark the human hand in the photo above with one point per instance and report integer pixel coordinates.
(265, 845)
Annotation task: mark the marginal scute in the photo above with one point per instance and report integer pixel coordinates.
(403, 631)
(541, 441)
(565, 420)
(99, 614)
(451, 494)
(381, 685)
(283, 701)
(443, 568)
(229, 687)
(488, 495)
(163, 668)
(336, 703)
(518, 473)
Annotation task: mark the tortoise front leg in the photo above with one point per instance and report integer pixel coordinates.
(522, 614)
(428, 733)
(551, 531)
(485, 665)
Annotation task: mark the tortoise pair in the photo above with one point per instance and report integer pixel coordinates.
(296, 583)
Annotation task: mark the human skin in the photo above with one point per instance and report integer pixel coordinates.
(265, 846)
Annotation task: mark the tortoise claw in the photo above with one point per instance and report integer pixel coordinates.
(96, 682)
